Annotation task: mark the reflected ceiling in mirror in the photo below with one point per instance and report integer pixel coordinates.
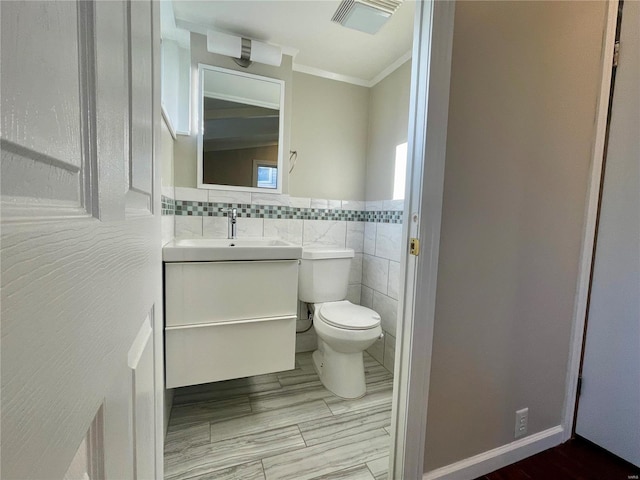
(241, 130)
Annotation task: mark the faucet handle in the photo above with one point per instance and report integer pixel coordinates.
(232, 214)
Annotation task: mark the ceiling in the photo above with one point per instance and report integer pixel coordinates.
(303, 28)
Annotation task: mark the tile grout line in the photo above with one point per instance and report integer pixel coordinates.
(328, 407)
(264, 472)
(301, 435)
(373, 474)
(367, 466)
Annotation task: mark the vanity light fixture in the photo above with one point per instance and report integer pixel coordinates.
(243, 50)
(365, 15)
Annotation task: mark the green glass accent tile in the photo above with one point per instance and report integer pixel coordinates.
(217, 209)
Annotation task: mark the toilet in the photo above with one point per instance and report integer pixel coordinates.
(344, 330)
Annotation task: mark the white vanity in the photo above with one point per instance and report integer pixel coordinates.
(230, 308)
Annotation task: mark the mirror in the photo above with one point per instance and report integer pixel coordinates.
(240, 134)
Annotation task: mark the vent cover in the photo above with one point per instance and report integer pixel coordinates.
(365, 15)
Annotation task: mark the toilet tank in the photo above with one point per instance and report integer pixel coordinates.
(324, 274)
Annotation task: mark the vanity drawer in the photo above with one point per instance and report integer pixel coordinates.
(208, 292)
(221, 351)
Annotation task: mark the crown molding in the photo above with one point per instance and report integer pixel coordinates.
(318, 72)
(390, 69)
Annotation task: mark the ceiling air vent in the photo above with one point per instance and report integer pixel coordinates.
(365, 15)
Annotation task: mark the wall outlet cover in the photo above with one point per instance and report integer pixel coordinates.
(522, 420)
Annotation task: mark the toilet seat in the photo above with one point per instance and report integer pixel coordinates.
(348, 316)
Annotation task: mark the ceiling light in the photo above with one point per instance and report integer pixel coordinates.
(365, 15)
(243, 50)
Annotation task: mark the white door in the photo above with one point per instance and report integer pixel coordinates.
(609, 406)
(81, 260)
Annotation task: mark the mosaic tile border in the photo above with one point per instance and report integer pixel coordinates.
(214, 209)
(168, 205)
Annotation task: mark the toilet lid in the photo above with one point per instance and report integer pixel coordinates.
(346, 315)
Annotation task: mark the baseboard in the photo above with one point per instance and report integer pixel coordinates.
(497, 458)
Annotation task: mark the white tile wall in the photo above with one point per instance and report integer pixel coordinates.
(269, 199)
(300, 202)
(188, 227)
(168, 191)
(324, 232)
(215, 227)
(353, 205)
(382, 245)
(375, 273)
(366, 297)
(229, 196)
(168, 228)
(167, 224)
(355, 236)
(355, 273)
(250, 227)
(354, 292)
(387, 307)
(373, 205)
(394, 205)
(369, 245)
(319, 203)
(388, 240)
(289, 230)
(389, 352)
(192, 194)
(393, 287)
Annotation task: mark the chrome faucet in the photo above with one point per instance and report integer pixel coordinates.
(233, 218)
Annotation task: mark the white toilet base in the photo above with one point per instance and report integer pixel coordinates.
(341, 373)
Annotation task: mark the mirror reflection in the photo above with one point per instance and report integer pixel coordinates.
(241, 130)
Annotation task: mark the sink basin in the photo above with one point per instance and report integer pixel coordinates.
(220, 249)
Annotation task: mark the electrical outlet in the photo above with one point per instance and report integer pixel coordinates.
(522, 418)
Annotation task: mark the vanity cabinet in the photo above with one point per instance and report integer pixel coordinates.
(229, 319)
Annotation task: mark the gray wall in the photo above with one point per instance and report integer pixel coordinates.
(388, 125)
(345, 134)
(329, 131)
(522, 111)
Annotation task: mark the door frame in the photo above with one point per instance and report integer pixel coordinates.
(578, 328)
(427, 139)
(432, 51)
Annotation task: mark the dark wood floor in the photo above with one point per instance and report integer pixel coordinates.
(576, 459)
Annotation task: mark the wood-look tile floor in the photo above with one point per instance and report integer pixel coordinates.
(280, 426)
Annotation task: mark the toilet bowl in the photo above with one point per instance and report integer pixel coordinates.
(344, 330)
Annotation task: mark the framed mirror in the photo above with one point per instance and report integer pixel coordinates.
(240, 134)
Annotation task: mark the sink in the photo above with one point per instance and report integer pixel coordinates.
(223, 249)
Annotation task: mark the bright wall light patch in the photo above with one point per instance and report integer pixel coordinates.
(400, 174)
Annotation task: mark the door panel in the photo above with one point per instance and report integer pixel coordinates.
(609, 406)
(78, 277)
(42, 141)
(141, 365)
(37, 115)
(140, 173)
(110, 92)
